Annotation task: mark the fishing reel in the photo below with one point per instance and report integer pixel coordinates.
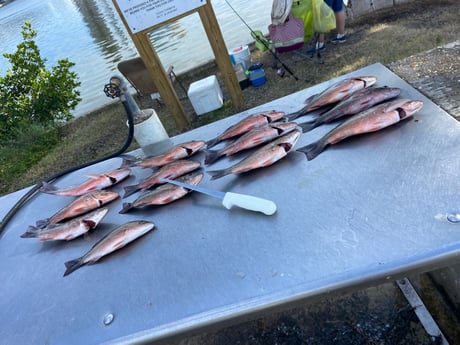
(113, 89)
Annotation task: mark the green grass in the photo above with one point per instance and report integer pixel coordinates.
(383, 36)
(26, 150)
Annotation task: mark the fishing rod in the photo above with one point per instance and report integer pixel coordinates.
(264, 43)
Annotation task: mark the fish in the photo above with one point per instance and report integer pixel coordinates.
(114, 240)
(171, 170)
(83, 204)
(263, 157)
(253, 138)
(371, 120)
(163, 194)
(359, 101)
(245, 125)
(334, 94)
(179, 151)
(95, 181)
(68, 230)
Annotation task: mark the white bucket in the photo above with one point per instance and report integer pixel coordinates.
(150, 131)
(241, 55)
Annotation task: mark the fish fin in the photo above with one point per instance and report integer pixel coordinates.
(129, 190)
(293, 116)
(48, 188)
(312, 150)
(215, 174)
(308, 126)
(212, 142)
(126, 207)
(210, 156)
(72, 265)
(310, 99)
(93, 176)
(31, 231)
(128, 162)
(42, 223)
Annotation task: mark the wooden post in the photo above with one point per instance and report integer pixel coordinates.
(212, 29)
(162, 81)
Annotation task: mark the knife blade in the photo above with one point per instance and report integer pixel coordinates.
(230, 199)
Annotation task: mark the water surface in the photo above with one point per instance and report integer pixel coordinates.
(91, 34)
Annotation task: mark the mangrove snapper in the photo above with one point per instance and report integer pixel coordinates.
(83, 204)
(265, 156)
(171, 170)
(359, 101)
(68, 230)
(253, 138)
(163, 194)
(246, 124)
(113, 241)
(334, 94)
(180, 151)
(371, 120)
(96, 181)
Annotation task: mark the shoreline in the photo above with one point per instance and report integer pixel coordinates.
(355, 9)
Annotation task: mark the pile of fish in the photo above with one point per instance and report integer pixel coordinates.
(261, 139)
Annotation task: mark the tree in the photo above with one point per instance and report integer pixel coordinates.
(32, 94)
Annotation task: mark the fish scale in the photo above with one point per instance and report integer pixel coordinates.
(254, 137)
(371, 120)
(170, 170)
(250, 122)
(114, 240)
(79, 206)
(265, 156)
(334, 94)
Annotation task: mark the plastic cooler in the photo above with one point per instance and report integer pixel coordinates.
(256, 75)
(205, 95)
(241, 55)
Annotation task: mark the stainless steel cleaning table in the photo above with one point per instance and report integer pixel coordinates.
(369, 209)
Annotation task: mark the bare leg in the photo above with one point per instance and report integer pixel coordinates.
(340, 22)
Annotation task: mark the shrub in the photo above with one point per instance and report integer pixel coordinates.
(30, 93)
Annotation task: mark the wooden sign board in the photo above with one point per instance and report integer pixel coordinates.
(140, 16)
(143, 14)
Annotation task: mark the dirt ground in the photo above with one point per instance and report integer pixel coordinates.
(378, 315)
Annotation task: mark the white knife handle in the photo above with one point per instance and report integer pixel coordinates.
(249, 202)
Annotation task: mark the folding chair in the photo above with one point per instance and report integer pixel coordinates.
(136, 73)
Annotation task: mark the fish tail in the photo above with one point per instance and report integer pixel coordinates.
(212, 142)
(72, 265)
(215, 174)
(31, 231)
(129, 190)
(126, 207)
(293, 116)
(312, 150)
(308, 126)
(48, 188)
(211, 156)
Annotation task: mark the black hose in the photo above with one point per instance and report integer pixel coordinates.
(26, 197)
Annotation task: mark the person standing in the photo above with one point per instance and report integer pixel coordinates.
(339, 13)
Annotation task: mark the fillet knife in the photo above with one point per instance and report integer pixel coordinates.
(230, 199)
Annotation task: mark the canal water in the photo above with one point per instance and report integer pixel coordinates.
(91, 34)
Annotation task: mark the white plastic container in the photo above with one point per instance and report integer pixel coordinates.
(149, 131)
(241, 55)
(205, 95)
